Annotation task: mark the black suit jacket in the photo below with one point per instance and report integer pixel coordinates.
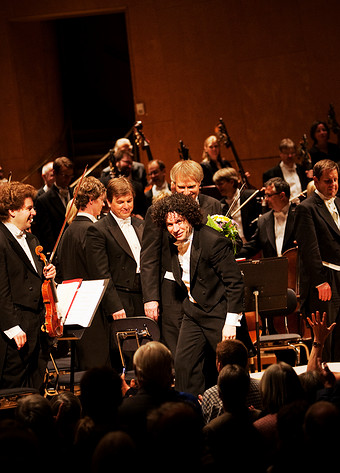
(264, 237)
(50, 218)
(214, 273)
(109, 256)
(318, 238)
(71, 256)
(276, 171)
(20, 290)
(155, 255)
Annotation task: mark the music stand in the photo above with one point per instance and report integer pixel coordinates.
(265, 288)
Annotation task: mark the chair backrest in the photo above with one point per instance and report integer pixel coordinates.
(132, 332)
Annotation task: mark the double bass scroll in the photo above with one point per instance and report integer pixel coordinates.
(141, 141)
(224, 137)
(183, 151)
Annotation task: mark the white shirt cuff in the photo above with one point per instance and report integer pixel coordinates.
(233, 319)
(12, 332)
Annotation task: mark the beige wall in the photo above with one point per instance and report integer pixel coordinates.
(268, 68)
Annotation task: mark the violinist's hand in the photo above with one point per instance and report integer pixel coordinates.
(20, 339)
(50, 271)
(325, 292)
(120, 314)
(151, 310)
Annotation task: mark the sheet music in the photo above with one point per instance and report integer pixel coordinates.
(86, 300)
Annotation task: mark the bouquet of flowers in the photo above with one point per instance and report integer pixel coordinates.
(225, 225)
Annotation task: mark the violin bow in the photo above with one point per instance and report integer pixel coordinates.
(67, 214)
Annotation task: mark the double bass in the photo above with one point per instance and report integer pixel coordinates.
(224, 137)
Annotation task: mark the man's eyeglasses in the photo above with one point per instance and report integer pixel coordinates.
(266, 196)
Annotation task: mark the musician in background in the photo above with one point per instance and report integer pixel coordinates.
(51, 205)
(123, 165)
(48, 177)
(275, 229)
(157, 179)
(287, 169)
(212, 160)
(322, 148)
(92, 349)
(24, 347)
(227, 182)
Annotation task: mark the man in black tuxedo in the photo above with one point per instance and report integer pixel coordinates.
(113, 252)
(51, 205)
(157, 178)
(275, 229)
(318, 238)
(227, 182)
(92, 349)
(24, 347)
(210, 280)
(160, 292)
(288, 169)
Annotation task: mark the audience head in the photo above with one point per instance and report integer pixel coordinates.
(233, 386)
(186, 177)
(35, 413)
(66, 409)
(175, 431)
(311, 383)
(154, 366)
(279, 386)
(101, 394)
(114, 449)
(231, 352)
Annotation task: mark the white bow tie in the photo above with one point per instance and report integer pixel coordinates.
(126, 221)
(280, 214)
(21, 234)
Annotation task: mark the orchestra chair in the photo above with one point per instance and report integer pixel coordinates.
(129, 334)
(286, 340)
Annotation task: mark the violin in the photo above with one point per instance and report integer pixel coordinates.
(53, 324)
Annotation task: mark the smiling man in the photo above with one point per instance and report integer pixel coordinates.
(210, 283)
(113, 252)
(24, 348)
(318, 237)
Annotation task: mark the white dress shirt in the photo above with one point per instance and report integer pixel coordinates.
(131, 237)
(280, 220)
(291, 176)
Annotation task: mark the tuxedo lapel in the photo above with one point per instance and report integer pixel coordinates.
(118, 235)
(139, 227)
(175, 266)
(324, 212)
(19, 251)
(289, 227)
(270, 228)
(194, 255)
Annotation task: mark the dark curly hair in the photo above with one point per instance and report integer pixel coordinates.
(183, 205)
